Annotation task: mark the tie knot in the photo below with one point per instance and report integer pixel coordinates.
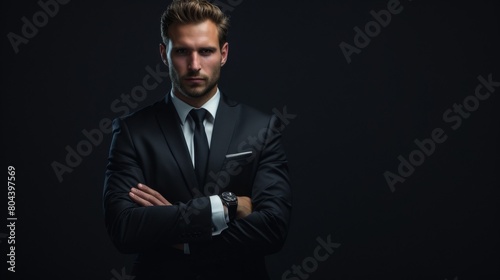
(198, 115)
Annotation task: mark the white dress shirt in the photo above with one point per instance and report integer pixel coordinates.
(187, 126)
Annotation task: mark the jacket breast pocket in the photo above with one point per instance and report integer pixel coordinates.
(237, 173)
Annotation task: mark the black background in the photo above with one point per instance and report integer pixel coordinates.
(352, 122)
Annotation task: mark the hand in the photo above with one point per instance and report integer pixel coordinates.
(244, 207)
(146, 196)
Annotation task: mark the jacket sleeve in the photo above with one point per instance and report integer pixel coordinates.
(264, 231)
(136, 229)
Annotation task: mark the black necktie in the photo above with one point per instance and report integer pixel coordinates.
(200, 145)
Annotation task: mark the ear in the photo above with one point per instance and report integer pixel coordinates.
(163, 53)
(224, 53)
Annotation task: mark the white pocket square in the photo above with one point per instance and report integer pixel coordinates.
(239, 154)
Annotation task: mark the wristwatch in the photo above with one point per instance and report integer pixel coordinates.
(231, 201)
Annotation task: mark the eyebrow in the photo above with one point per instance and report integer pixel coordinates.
(191, 49)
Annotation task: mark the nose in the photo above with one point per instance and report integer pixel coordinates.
(194, 62)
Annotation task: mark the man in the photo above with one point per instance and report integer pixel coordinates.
(197, 184)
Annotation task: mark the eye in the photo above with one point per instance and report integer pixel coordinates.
(181, 51)
(206, 52)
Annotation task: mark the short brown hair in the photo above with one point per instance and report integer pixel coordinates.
(194, 11)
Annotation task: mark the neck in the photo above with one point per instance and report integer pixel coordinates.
(196, 102)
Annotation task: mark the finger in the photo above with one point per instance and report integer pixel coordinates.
(144, 188)
(139, 200)
(149, 190)
(164, 200)
(146, 196)
(154, 193)
(151, 194)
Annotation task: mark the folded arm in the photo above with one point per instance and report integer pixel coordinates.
(135, 229)
(264, 230)
(140, 219)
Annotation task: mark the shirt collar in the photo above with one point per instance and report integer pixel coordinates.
(183, 108)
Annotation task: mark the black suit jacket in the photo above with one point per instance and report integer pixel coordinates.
(246, 157)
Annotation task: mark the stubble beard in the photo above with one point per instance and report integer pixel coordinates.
(194, 92)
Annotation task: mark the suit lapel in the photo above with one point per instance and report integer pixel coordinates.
(168, 120)
(225, 121)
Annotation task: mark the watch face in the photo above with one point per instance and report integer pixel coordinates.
(229, 196)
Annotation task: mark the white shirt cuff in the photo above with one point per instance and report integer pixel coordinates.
(218, 217)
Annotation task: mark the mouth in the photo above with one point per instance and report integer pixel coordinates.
(194, 79)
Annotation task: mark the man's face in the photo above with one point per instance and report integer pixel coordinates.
(194, 59)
